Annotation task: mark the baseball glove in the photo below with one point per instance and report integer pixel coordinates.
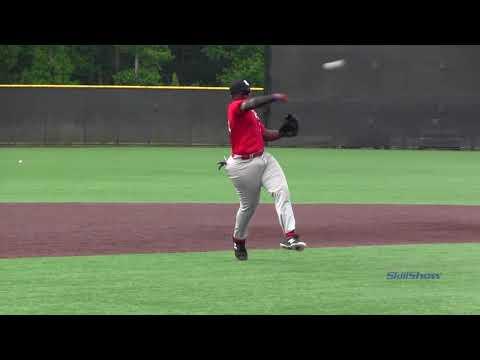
(289, 127)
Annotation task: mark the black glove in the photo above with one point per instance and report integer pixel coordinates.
(289, 127)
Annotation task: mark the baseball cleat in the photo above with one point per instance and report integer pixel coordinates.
(293, 244)
(240, 250)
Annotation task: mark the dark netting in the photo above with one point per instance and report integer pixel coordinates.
(113, 116)
(385, 96)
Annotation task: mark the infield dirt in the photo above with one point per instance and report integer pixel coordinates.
(69, 229)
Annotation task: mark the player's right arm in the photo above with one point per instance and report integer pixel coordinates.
(258, 101)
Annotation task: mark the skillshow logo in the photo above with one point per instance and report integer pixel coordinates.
(412, 276)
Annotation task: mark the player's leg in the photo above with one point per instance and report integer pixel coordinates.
(249, 199)
(246, 178)
(275, 182)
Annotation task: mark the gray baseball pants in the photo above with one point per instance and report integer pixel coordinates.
(248, 177)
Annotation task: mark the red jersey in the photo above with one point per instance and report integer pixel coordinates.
(245, 128)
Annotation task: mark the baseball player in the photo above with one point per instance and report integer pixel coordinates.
(249, 167)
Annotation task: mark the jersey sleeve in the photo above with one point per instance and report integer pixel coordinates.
(262, 126)
(235, 106)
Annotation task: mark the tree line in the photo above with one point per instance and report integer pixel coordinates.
(214, 65)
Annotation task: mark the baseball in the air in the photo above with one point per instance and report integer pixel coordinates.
(334, 64)
(20, 161)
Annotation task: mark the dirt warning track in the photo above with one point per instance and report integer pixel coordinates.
(65, 229)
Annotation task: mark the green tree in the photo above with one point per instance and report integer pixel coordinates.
(9, 55)
(239, 62)
(103, 62)
(131, 64)
(192, 66)
(50, 64)
(91, 65)
(175, 81)
(143, 77)
(147, 65)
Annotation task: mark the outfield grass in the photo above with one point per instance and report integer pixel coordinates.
(317, 281)
(156, 174)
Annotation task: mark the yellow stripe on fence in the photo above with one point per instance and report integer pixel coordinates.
(122, 87)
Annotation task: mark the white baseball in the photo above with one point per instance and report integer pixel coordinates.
(334, 64)
(20, 161)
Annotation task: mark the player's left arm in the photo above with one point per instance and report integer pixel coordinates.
(271, 135)
(289, 128)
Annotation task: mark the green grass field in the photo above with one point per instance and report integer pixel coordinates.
(317, 281)
(143, 174)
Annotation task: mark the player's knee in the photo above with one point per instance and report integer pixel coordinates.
(246, 208)
(282, 193)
